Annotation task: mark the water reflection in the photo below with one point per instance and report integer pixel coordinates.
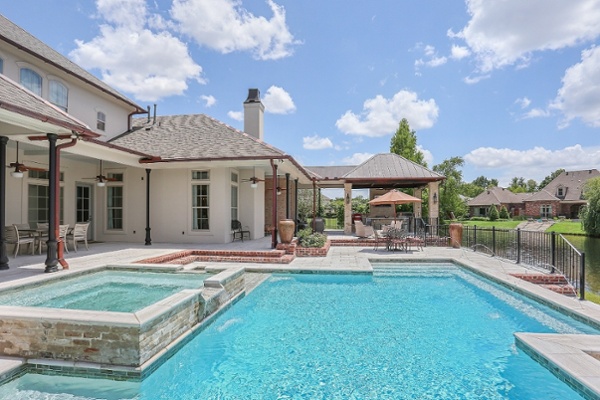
(591, 247)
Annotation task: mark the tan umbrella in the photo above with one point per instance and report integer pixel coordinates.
(394, 197)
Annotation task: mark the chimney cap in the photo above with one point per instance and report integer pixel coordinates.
(253, 96)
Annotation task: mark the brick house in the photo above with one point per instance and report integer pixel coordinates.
(480, 205)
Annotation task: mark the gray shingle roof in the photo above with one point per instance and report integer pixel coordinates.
(542, 195)
(193, 137)
(330, 172)
(14, 98)
(497, 196)
(17, 36)
(572, 182)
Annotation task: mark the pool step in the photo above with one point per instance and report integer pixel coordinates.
(556, 283)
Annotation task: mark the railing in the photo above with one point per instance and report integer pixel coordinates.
(549, 251)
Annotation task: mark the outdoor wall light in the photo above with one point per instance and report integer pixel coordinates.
(16, 174)
(435, 198)
(347, 198)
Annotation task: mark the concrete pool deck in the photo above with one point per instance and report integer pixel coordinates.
(574, 358)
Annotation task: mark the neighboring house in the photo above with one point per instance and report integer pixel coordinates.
(481, 204)
(563, 196)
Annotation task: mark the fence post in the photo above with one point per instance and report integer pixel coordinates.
(493, 241)
(582, 277)
(553, 251)
(518, 245)
(475, 238)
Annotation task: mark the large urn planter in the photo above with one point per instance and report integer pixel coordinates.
(286, 230)
(456, 235)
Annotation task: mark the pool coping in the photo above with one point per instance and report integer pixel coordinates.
(549, 354)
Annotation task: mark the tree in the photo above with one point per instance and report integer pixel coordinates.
(590, 214)
(484, 182)
(450, 201)
(518, 185)
(470, 190)
(531, 186)
(494, 215)
(550, 178)
(504, 213)
(404, 143)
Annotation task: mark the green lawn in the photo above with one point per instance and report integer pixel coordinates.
(489, 224)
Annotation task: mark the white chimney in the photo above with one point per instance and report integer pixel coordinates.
(254, 112)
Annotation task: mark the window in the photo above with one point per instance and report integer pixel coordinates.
(1, 66)
(114, 207)
(59, 95)
(45, 175)
(101, 121)
(200, 200)
(546, 211)
(482, 211)
(560, 192)
(31, 80)
(38, 196)
(234, 196)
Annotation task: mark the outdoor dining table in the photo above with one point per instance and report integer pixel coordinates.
(37, 234)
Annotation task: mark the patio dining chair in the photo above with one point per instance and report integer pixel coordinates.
(238, 231)
(42, 237)
(78, 234)
(63, 230)
(11, 234)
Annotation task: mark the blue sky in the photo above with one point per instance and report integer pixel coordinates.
(511, 86)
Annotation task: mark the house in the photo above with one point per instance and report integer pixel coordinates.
(499, 197)
(79, 151)
(563, 196)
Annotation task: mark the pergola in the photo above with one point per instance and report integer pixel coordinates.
(381, 171)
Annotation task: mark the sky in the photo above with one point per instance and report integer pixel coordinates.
(511, 86)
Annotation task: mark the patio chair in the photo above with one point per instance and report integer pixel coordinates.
(363, 230)
(63, 231)
(79, 234)
(12, 237)
(42, 237)
(238, 231)
(380, 238)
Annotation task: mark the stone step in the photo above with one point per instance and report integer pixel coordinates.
(541, 279)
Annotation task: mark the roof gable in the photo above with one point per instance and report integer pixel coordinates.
(23, 40)
(572, 183)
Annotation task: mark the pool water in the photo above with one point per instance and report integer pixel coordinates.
(122, 291)
(418, 332)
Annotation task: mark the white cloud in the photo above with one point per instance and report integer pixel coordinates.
(502, 33)
(148, 75)
(209, 100)
(316, 143)
(535, 159)
(357, 158)
(381, 116)
(431, 60)
(536, 113)
(523, 102)
(225, 26)
(475, 79)
(236, 115)
(579, 96)
(427, 155)
(278, 101)
(459, 52)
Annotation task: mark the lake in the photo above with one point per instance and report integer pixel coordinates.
(591, 247)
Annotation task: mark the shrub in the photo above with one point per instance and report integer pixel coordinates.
(494, 215)
(504, 213)
(479, 219)
(306, 238)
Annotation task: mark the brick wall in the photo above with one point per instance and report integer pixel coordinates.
(532, 208)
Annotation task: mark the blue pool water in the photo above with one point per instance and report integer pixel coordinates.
(420, 332)
(122, 291)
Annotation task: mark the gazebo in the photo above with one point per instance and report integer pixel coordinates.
(382, 171)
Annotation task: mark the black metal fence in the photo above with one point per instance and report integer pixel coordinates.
(549, 251)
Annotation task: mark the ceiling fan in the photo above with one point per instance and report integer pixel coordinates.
(254, 180)
(20, 168)
(102, 179)
(279, 190)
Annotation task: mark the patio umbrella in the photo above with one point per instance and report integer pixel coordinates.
(394, 197)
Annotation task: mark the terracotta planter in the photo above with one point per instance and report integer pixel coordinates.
(456, 235)
(286, 230)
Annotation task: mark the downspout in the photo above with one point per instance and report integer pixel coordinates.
(287, 196)
(55, 245)
(274, 207)
(296, 203)
(3, 252)
(148, 240)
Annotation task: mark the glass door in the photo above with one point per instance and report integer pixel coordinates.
(83, 212)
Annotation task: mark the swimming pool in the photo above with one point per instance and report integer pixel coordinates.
(408, 332)
(109, 290)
